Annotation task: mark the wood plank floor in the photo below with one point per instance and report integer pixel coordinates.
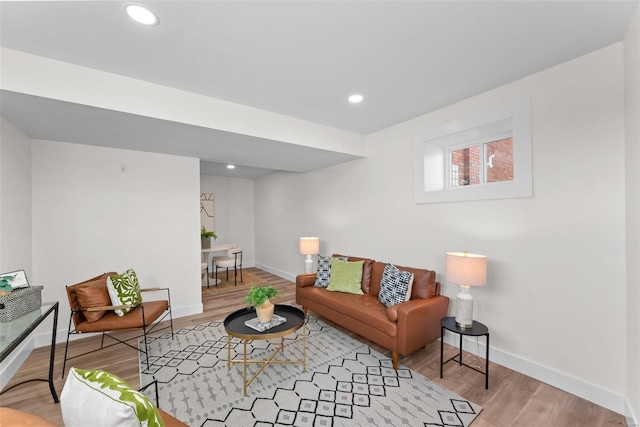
(512, 400)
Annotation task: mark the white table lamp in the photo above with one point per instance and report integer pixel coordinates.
(309, 246)
(466, 270)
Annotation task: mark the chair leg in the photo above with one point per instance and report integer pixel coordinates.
(66, 347)
(227, 274)
(235, 277)
(241, 273)
(207, 276)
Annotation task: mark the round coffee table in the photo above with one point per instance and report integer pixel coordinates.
(235, 326)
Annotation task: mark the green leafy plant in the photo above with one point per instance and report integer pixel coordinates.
(4, 283)
(205, 234)
(257, 295)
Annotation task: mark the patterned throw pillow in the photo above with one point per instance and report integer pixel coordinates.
(346, 276)
(324, 270)
(124, 290)
(101, 399)
(395, 286)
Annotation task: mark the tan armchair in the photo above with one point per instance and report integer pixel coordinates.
(91, 312)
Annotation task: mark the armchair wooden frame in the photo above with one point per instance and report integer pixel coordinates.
(148, 322)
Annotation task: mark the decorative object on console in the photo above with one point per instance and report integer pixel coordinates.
(5, 287)
(466, 270)
(258, 297)
(13, 280)
(309, 246)
(205, 236)
(19, 298)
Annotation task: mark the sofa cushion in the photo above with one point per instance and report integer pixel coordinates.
(346, 276)
(14, 418)
(363, 308)
(124, 290)
(78, 316)
(424, 281)
(323, 274)
(98, 398)
(93, 294)
(366, 270)
(112, 322)
(395, 286)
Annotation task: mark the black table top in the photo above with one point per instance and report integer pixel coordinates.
(477, 329)
(234, 323)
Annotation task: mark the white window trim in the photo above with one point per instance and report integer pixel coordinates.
(431, 157)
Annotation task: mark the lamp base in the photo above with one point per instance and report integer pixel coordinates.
(464, 308)
(308, 265)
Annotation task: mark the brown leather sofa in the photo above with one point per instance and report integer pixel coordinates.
(402, 328)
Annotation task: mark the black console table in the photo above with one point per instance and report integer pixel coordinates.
(476, 330)
(17, 330)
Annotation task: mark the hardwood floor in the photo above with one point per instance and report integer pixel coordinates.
(513, 399)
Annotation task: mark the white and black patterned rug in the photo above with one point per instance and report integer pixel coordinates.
(346, 383)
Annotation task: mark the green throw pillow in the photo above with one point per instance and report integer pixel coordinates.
(346, 276)
(98, 398)
(124, 290)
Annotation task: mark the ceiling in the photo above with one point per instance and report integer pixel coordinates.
(299, 59)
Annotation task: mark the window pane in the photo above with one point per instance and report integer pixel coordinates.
(499, 160)
(465, 166)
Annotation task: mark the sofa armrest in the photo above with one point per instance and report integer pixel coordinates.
(419, 322)
(303, 280)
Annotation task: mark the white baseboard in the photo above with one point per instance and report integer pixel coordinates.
(600, 396)
(12, 363)
(277, 272)
(632, 420)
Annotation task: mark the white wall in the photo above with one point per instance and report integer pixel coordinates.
(15, 199)
(90, 217)
(555, 299)
(15, 221)
(632, 168)
(234, 212)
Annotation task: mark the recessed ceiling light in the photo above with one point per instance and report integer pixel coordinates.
(231, 167)
(141, 14)
(354, 99)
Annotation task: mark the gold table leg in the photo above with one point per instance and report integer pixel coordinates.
(268, 361)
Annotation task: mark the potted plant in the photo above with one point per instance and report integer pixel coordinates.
(204, 237)
(5, 287)
(258, 297)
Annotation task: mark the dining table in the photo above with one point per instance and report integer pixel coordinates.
(206, 253)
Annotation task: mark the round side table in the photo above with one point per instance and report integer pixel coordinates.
(476, 330)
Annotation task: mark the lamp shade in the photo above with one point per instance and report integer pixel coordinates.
(309, 245)
(466, 269)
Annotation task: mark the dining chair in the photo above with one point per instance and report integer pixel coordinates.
(204, 266)
(234, 260)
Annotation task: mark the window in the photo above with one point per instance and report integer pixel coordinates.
(484, 156)
(482, 163)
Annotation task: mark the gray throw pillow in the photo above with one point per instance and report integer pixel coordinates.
(395, 286)
(323, 276)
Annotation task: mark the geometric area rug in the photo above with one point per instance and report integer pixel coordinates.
(346, 383)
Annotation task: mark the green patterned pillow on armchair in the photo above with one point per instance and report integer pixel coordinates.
(124, 290)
